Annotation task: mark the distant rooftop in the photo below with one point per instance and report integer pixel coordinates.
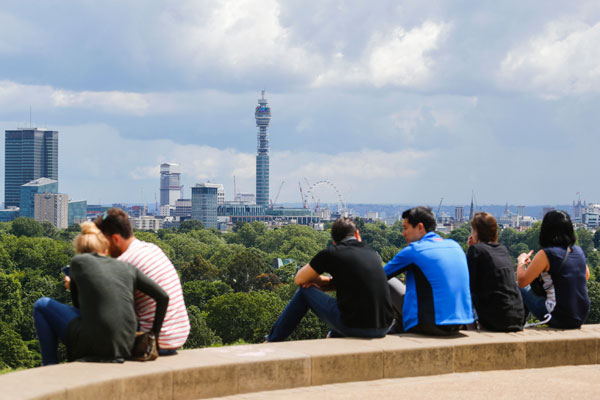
(40, 181)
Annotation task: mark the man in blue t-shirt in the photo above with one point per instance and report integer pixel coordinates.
(436, 299)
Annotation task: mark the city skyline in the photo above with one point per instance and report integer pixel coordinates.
(393, 103)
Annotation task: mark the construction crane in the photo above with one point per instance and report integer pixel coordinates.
(302, 196)
(277, 196)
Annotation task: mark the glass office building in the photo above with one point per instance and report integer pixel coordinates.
(30, 153)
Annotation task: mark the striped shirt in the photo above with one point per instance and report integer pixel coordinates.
(151, 260)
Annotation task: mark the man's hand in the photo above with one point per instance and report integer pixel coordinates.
(67, 282)
(524, 258)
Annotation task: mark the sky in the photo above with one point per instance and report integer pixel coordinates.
(389, 101)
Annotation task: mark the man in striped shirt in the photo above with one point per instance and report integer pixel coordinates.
(152, 261)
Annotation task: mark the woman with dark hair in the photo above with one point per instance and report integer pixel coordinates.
(496, 297)
(564, 272)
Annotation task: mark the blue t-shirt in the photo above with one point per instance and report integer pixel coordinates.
(437, 282)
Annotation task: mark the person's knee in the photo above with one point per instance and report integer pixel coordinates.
(41, 304)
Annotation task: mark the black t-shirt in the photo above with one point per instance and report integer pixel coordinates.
(496, 296)
(363, 295)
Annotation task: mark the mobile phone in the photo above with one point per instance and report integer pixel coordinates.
(66, 270)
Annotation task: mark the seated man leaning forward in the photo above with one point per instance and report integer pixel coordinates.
(363, 307)
(152, 261)
(436, 299)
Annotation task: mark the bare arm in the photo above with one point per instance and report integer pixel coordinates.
(539, 263)
(307, 277)
(587, 273)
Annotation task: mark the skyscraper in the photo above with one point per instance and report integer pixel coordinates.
(204, 204)
(28, 192)
(170, 184)
(30, 153)
(52, 207)
(263, 117)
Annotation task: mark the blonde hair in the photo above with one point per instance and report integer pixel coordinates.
(90, 240)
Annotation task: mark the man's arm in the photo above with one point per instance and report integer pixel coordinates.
(307, 277)
(400, 261)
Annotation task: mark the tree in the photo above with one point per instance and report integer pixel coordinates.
(247, 316)
(23, 226)
(242, 269)
(388, 252)
(585, 241)
(199, 293)
(200, 334)
(190, 225)
(13, 350)
(199, 270)
(267, 282)
(11, 311)
(49, 230)
(594, 294)
(461, 234)
(597, 238)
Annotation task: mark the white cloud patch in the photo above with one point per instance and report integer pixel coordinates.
(563, 60)
(16, 96)
(397, 58)
(237, 35)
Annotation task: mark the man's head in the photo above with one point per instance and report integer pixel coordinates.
(114, 224)
(416, 222)
(343, 228)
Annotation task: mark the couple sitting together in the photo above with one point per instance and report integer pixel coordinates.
(113, 298)
(444, 289)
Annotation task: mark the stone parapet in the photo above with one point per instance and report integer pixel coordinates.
(221, 371)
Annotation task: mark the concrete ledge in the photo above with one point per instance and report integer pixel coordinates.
(221, 371)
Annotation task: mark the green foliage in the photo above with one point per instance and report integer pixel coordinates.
(200, 334)
(190, 225)
(11, 311)
(388, 252)
(268, 282)
(23, 226)
(199, 293)
(13, 350)
(199, 270)
(597, 238)
(594, 294)
(248, 316)
(461, 235)
(585, 240)
(242, 269)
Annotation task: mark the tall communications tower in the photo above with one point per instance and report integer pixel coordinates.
(263, 117)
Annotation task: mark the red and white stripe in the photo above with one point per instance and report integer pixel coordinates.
(151, 260)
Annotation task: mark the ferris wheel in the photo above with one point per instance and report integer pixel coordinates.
(342, 209)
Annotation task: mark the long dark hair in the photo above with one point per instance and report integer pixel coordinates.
(557, 230)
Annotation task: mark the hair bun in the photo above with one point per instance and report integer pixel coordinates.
(89, 228)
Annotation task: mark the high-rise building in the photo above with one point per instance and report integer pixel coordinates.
(170, 184)
(52, 207)
(263, 117)
(28, 192)
(77, 211)
(204, 204)
(30, 153)
(459, 213)
(220, 194)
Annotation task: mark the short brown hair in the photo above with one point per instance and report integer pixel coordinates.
(342, 228)
(114, 220)
(90, 240)
(486, 227)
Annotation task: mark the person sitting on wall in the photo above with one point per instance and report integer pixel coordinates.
(436, 299)
(362, 308)
(494, 291)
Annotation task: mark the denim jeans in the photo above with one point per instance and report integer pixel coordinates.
(325, 307)
(51, 319)
(533, 303)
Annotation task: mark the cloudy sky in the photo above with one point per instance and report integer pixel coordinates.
(391, 101)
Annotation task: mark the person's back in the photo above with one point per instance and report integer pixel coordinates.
(360, 283)
(570, 286)
(494, 290)
(436, 298)
(152, 261)
(102, 288)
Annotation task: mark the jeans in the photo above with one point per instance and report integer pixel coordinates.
(533, 303)
(51, 319)
(325, 307)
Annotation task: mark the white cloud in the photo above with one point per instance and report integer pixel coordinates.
(397, 58)
(562, 60)
(235, 35)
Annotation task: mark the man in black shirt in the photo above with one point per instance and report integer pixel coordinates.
(363, 307)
